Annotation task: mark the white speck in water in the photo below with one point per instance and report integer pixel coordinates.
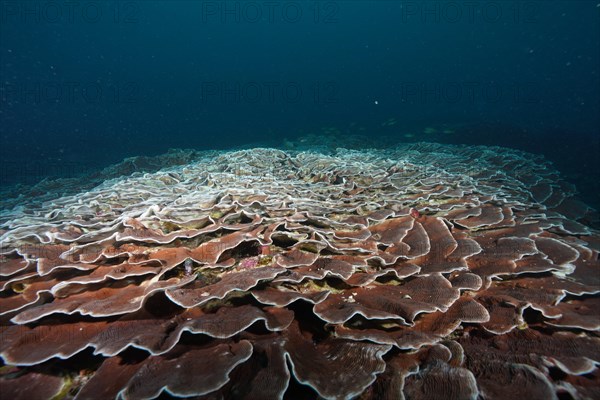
(188, 264)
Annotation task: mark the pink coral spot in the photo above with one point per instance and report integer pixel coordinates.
(250, 262)
(415, 213)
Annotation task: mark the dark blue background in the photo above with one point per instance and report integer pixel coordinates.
(86, 85)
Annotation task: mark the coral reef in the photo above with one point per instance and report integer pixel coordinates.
(424, 271)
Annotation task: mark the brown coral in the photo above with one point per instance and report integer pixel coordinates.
(422, 272)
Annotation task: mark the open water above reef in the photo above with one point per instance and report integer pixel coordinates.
(84, 86)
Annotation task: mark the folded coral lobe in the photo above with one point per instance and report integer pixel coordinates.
(419, 272)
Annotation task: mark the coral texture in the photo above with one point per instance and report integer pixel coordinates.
(420, 272)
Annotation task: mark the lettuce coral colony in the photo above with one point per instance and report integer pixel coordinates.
(421, 272)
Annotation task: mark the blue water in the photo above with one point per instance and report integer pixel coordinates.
(85, 84)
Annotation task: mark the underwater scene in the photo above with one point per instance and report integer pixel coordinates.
(298, 200)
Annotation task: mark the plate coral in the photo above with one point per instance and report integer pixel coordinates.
(422, 271)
